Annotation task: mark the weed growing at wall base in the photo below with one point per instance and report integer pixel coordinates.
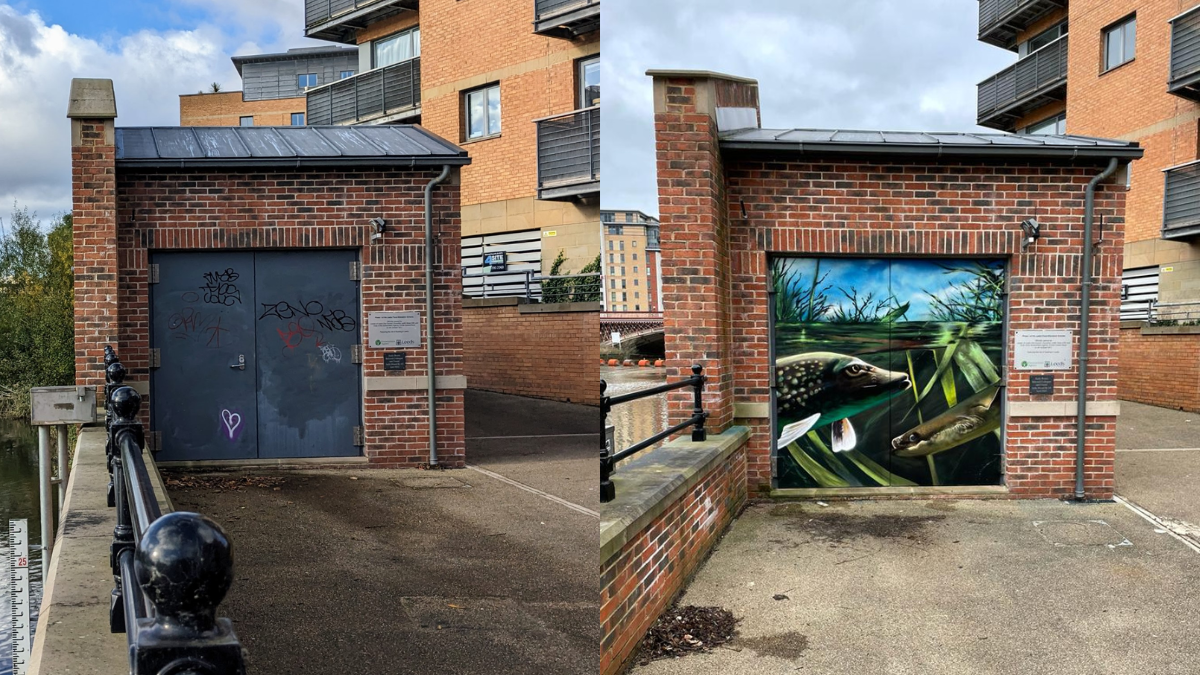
(37, 326)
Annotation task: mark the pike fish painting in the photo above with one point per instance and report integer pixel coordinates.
(887, 371)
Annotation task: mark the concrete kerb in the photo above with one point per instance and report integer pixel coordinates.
(647, 485)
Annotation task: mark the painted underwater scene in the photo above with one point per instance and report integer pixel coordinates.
(887, 371)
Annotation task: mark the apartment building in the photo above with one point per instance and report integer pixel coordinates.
(516, 83)
(1129, 70)
(273, 88)
(630, 262)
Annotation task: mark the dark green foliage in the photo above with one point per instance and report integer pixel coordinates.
(576, 289)
(979, 300)
(37, 323)
(587, 289)
(798, 300)
(555, 289)
(866, 309)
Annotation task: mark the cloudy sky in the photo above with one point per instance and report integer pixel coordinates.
(153, 51)
(851, 64)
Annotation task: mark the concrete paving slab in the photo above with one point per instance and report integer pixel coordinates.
(1146, 426)
(949, 587)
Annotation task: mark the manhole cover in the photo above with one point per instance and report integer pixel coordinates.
(1080, 533)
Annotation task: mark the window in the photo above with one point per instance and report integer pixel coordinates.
(610, 258)
(637, 308)
(297, 119)
(635, 269)
(247, 121)
(622, 244)
(483, 112)
(612, 270)
(622, 257)
(612, 283)
(1118, 43)
(635, 256)
(402, 46)
(635, 242)
(1051, 125)
(588, 76)
(622, 270)
(306, 80)
(345, 73)
(614, 229)
(1042, 39)
(635, 281)
(636, 295)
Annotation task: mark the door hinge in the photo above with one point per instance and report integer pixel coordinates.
(358, 437)
(153, 273)
(154, 442)
(156, 358)
(355, 353)
(355, 271)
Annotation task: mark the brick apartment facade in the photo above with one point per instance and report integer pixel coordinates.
(543, 57)
(630, 262)
(140, 212)
(733, 201)
(1118, 78)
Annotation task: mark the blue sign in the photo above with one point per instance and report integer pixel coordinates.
(496, 262)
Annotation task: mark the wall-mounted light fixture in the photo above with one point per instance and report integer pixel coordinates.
(1032, 229)
(380, 226)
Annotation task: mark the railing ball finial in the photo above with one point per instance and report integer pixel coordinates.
(126, 403)
(184, 565)
(109, 355)
(114, 373)
(697, 368)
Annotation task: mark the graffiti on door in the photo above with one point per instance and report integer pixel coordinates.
(887, 371)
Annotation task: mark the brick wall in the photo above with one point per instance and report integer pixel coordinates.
(549, 355)
(1149, 360)
(641, 580)
(225, 109)
(715, 267)
(229, 209)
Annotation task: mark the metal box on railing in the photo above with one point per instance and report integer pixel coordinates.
(62, 405)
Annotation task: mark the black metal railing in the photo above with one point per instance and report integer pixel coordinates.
(169, 571)
(566, 18)
(1026, 81)
(320, 11)
(531, 285)
(568, 148)
(375, 93)
(1185, 55)
(608, 455)
(1001, 20)
(1181, 201)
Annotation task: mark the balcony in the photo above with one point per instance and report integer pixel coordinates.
(388, 94)
(1028, 84)
(566, 18)
(1181, 201)
(339, 20)
(568, 148)
(1001, 20)
(1185, 55)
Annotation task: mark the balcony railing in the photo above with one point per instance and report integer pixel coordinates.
(1030, 83)
(1001, 20)
(566, 18)
(1185, 55)
(338, 20)
(568, 148)
(389, 93)
(1181, 201)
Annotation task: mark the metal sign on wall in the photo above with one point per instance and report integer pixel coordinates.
(1042, 349)
(394, 329)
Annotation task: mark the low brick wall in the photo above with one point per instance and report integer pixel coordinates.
(1160, 365)
(672, 506)
(543, 351)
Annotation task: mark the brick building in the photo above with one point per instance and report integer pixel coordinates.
(273, 87)
(516, 83)
(1129, 72)
(266, 288)
(630, 262)
(887, 310)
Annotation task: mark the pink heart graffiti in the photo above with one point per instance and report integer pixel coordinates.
(233, 423)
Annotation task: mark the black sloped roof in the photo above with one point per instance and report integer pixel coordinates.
(397, 146)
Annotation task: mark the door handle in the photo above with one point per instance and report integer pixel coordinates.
(241, 364)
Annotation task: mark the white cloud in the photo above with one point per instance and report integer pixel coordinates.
(149, 70)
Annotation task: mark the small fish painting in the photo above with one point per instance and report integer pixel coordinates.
(966, 421)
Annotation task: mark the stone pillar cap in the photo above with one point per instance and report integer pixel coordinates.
(700, 75)
(92, 99)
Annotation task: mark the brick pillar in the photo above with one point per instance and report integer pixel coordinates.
(695, 258)
(92, 109)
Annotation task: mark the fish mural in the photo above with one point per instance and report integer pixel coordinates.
(827, 388)
(886, 371)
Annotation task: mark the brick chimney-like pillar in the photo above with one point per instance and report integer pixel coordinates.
(92, 111)
(692, 205)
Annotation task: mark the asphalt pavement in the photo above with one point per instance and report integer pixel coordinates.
(484, 570)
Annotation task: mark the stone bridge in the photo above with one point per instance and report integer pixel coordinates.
(641, 329)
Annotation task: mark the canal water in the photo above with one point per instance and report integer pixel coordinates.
(18, 499)
(637, 420)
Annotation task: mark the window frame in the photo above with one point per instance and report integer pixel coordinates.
(1121, 25)
(581, 83)
(242, 120)
(466, 117)
(345, 74)
(313, 77)
(1061, 27)
(1058, 119)
(414, 36)
(293, 119)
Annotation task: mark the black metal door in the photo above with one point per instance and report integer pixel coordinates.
(202, 317)
(307, 323)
